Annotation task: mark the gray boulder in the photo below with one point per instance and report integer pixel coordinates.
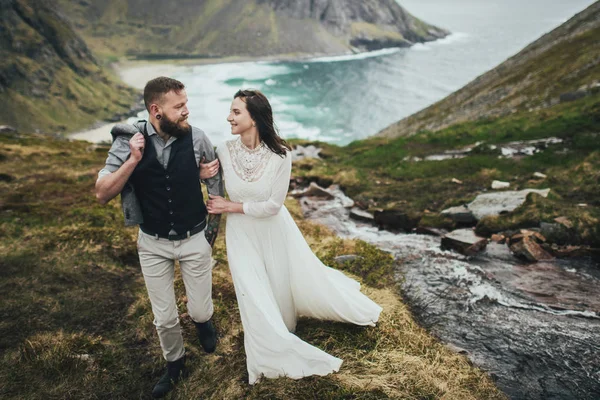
(7, 129)
(492, 204)
(463, 241)
(309, 151)
(500, 185)
(396, 220)
(361, 215)
(529, 249)
(556, 233)
(460, 214)
(313, 190)
(426, 230)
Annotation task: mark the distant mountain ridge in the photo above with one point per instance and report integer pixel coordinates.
(49, 79)
(562, 65)
(251, 28)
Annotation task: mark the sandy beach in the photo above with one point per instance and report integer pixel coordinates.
(95, 135)
(137, 73)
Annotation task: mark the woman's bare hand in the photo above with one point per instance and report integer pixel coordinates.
(216, 204)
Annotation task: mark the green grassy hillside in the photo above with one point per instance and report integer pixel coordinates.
(49, 80)
(561, 66)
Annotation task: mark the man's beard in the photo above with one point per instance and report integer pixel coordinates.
(174, 129)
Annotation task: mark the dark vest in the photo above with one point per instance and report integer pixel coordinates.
(170, 198)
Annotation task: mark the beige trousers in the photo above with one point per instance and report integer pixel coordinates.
(157, 258)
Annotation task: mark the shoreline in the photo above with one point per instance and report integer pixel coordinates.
(99, 134)
(136, 73)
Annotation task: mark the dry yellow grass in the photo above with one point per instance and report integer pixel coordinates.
(79, 325)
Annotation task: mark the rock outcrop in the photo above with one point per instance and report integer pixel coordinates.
(366, 24)
(527, 245)
(491, 204)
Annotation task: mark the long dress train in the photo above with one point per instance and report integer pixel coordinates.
(275, 273)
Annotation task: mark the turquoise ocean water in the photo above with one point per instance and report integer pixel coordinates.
(341, 99)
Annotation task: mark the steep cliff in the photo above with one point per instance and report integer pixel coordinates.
(217, 28)
(49, 79)
(561, 66)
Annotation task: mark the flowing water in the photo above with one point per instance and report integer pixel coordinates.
(534, 327)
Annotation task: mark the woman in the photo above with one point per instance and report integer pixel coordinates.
(276, 275)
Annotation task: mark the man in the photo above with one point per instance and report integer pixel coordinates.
(155, 165)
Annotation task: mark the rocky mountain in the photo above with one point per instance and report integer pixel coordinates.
(49, 79)
(561, 66)
(218, 28)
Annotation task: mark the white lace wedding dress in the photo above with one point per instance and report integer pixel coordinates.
(275, 273)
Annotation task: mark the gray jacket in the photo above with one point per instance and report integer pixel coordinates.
(132, 211)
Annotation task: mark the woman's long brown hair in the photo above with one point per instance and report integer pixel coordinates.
(260, 110)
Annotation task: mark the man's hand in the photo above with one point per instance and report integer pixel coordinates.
(109, 186)
(136, 146)
(210, 169)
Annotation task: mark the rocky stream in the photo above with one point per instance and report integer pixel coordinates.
(534, 327)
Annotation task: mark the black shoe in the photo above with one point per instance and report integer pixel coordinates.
(207, 335)
(175, 371)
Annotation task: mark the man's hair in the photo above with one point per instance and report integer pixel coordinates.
(158, 87)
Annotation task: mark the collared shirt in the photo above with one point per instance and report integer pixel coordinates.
(119, 153)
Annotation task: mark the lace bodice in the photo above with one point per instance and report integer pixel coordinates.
(258, 178)
(248, 164)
